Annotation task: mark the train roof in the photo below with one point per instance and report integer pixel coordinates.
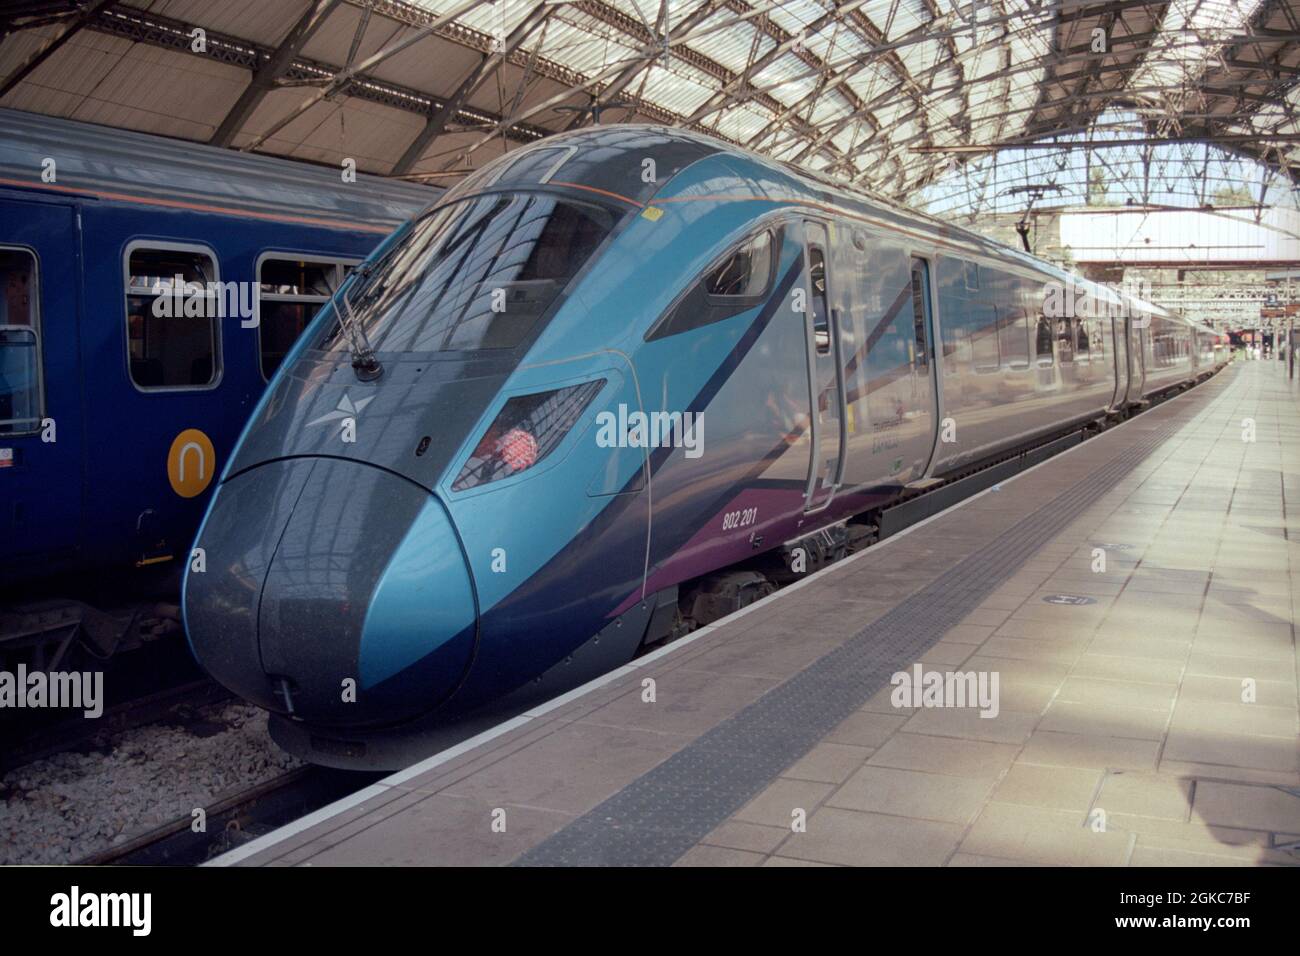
(123, 165)
(608, 159)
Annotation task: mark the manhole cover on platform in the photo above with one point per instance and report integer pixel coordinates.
(1069, 599)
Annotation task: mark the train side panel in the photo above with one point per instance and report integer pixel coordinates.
(1011, 373)
(133, 468)
(1167, 354)
(42, 431)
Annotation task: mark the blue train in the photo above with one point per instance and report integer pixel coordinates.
(122, 390)
(543, 425)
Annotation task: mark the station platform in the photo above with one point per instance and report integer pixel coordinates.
(1146, 712)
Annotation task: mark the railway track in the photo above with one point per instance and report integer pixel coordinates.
(233, 818)
(37, 743)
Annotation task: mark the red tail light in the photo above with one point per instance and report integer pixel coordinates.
(527, 429)
(518, 449)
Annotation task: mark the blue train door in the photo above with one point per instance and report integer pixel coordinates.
(1137, 327)
(40, 400)
(924, 372)
(825, 372)
(1121, 360)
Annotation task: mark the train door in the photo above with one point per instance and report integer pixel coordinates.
(1120, 360)
(927, 392)
(825, 371)
(40, 398)
(1137, 328)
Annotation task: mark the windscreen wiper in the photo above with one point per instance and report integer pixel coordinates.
(364, 362)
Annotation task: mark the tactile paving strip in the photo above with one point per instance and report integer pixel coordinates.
(666, 811)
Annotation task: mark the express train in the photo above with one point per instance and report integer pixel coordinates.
(533, 430)
(116, 410)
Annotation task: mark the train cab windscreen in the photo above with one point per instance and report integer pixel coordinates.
(474, 274)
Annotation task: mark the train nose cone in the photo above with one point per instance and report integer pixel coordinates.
(344, 599)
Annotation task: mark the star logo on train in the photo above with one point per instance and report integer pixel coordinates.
(345, 409)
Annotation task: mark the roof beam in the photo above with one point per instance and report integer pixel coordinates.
(1099, 144)
(642, 56)
(722, 99)
(345, 76)
(264, 78)
(620, 82)
(53, 44)
(486, 67)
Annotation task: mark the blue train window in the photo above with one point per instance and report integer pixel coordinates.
(1081, 341)
(740, 281)
(821, 312)
(289, 294)
(984, 338)
(1013, 336)
(173, 303)
(1044, 341)
(746, 272)
(20, 367)
(1065, 340)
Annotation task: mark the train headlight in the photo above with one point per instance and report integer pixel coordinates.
(527, 429)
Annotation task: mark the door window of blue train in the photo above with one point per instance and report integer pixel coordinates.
(476, 274)
(1013, 336)
(1043, 341)
(741, 281)
(1065, 340)
(898, 354)
(1082, 340)
(174, 301)
(290, 293)
(20, 366)
(983, 336)
(920, 313)
(821, 313)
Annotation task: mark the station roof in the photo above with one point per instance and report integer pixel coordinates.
(888, 94)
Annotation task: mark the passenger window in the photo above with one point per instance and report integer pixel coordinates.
(171, 318)
(746, 273)
(1044, 341)
(1065, 340)
(821, 314)
(741, 281)
(971, 276)
(1081, 352)
(20, 367)
(1013, 337)
(290, 293)
(984, 340)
